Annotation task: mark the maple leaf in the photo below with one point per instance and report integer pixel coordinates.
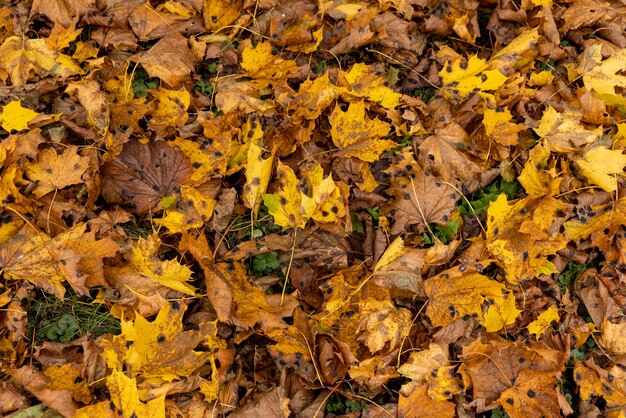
(356, 135)
(125, 401)
(258, 171)
(563, 131)
(363, 83)
(600, 165)
(169, 273)
(603, 78)
(493, 368)
(453, 295)
(382, 324)
(609, 384)
(528, 396)
(421, 199)
(544, 321)
(289, 207)
(53, 171)
(466, 77)
(20, 56)
(159, 349)
(144, 174)
(170, 111)
(15, 117)
(521, 236)
(260, 63)
(170, 59)
(220, 13)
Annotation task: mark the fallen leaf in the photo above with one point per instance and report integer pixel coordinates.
(15, 117)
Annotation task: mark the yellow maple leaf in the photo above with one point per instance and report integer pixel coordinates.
(259, 62)
(544, 321)
(356, 135)
(169, 273)
(563, 131)
(362, 82)
(535, 178)
(258, 171)
(603, 78)
(20, 56)
(382, 324)
(498, 126)
(601, 165)
(289, 207)
(464, 78)
(125, 401)
(170, 111)
(522, 235)
(452, 298)
(53, 171)
(15, 117)
(326, 195)
(220, 13)
(609, 384)
(161, 348)
(532, 394)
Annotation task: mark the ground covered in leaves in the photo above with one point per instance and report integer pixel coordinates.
(310, 208)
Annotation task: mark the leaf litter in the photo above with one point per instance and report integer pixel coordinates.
(302, 208)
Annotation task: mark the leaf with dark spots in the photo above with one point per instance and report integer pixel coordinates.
(144, 174)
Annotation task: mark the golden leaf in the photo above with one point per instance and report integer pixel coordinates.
(14, 117)
(356, 135)
(464, 78)
(453, 297)
(544, 321)
(169, 273)
(20, 56)
(601, 165)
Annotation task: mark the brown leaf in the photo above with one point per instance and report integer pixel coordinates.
(144, 174)
(39, 385)
(420, 200)
(170, 59)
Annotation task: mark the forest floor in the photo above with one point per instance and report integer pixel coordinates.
(309, 208)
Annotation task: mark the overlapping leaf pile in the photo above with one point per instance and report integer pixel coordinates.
(308, 208)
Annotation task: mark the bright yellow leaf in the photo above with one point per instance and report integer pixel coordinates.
(21, 56)
(356, 135)
(464, 78)
(258, 172)
(600, 165)
(544, 321)
(453, 297)
(14, 117)
(286, 205)
(170, 273)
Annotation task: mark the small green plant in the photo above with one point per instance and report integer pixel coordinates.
(569, 274)
(264, 264)
(135, 230)
(582, 352)
(204, 87)
(374, 211)
(404, 142)
(480, 200)
(142, 82)
(320, 67)
(53, 319)
(425, 93)
(339, 404)
(444, 233)
(499, 413)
